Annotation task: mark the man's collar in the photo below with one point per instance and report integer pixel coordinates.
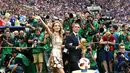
(75, 33)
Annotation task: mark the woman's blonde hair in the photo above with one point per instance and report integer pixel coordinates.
(61, 27)
(107, 33)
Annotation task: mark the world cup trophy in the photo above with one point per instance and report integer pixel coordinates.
(84, 63)
(83, 42)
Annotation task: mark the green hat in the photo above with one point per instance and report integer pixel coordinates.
(7, 15)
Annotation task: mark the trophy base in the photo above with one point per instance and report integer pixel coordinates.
(84, 71)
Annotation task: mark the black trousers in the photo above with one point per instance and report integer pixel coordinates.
(73, 63)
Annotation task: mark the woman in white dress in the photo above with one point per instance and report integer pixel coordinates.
(55, 61)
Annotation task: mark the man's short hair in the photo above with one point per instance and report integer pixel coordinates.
(76, 23)
(115, 27)
(14, 51)
(71, 15)
(86, 12)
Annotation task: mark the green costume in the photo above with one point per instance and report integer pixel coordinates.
(31, 68)
(16, 42)
(22, 45)
(83, 33)
(87, 33)
(96, 25)
(1, 62)
(48, 45)
(67, 24)
(122, 38)
(24, 59)
(40, 39)
(121, 31)
(8, 49)
(33, 21)
(127, 45)
(92, 62)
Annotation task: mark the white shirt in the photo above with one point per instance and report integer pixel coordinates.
(76, 34)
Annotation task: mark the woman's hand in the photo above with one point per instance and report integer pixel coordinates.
(44, 24)
(37, 17)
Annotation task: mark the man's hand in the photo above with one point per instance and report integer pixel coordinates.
(46, 35)
(90, 22)
(28, 25)
(18, 48)
(79, 46)
(62, 46)
(90, 53)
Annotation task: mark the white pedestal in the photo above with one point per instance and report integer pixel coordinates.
(2, 70)
(88, 71)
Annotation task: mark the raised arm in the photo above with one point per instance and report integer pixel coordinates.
(44, 24)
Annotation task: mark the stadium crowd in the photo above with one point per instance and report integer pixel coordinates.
(115, 8)
(49, 41)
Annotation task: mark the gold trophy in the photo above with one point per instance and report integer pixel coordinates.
(83, 42)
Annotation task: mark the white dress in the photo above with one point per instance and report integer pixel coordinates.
(55, 60)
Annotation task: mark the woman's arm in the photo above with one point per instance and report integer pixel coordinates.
(103, 42)
(44, 24)
(112, 43)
